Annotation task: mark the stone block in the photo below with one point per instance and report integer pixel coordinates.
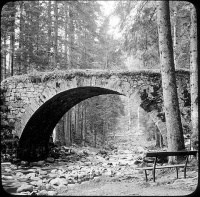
(12, 98)
(20, 85)
(10, 116)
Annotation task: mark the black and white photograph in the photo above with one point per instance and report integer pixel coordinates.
(99, 98)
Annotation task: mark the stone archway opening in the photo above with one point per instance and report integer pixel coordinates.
(33, 144)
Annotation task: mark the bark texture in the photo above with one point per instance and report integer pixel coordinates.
(171, 105)
(194, 73)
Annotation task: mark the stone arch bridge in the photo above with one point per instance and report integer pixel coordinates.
(38, 100)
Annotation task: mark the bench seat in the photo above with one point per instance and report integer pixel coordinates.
(160, 167)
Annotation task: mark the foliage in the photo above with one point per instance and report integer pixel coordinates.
(139, 26)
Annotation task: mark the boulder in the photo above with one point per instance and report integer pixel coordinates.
(25, 188)
(43, 193)
(63, 181)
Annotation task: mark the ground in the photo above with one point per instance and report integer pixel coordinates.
(90, 172)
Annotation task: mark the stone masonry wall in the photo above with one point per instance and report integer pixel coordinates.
(25, 94)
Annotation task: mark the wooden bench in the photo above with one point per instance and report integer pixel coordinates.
(166, 154)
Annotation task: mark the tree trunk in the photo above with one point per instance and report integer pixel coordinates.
(84, 124)
(66, 34)
(194, 75)
(21, 23)
(103, 140)
(157, 137)
(175, 35)
(67, 128)
(71, 35)
(49, 32)
(171, 105)
(56, 34)
(4, 64)
(12, 39)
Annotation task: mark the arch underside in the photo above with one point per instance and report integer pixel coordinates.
(33, 144)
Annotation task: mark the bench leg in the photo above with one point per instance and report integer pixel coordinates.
(177, 172)
(185, 173)
(153, 172)
(145, 174)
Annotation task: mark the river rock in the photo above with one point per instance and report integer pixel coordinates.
(48, 186)
(63, 181)
(19, 174)
(34, 183)
(50, 159)
(8, 170)
(52, 175)
(39, 183)
(33, 164)
(136, 162)
(43, 193)
(24, 163)
(52, 193)
(24, 188)
(43, 172)
(55, 182)
(30, 175)
(8, 177)
(40, 163)
(54, 171)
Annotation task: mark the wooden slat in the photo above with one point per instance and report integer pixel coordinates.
(160, 167)
(177, 153)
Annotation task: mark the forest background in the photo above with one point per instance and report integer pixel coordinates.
(62, 35)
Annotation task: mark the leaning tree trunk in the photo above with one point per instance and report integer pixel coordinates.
(171, 105)
(194, 75)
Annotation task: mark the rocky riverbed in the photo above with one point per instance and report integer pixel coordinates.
(88, 166)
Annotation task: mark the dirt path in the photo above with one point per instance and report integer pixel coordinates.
(105, 186)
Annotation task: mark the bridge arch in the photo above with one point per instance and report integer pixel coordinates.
(27, 96)
(35, 136)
